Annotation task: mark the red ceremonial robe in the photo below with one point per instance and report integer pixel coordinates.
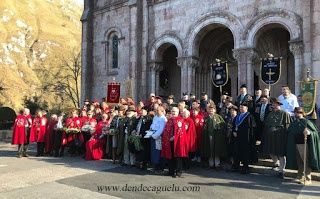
(72, 122)
(191, 134)
(199, 123)
(19, 128)
(175, 126)
(38, 129)
(29, 119)
(49, 136)
(95, 146)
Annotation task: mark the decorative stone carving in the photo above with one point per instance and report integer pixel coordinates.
(296, 47)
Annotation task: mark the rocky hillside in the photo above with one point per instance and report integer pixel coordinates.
(36, 36)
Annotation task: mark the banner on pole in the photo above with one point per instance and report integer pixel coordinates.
(219, 74)
(270, 70)
(309, 93)
(113, 92)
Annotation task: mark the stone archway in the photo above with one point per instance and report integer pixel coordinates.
(211, 29)
(278, 19)
(163, 60)
(215, 41)
(274, 38)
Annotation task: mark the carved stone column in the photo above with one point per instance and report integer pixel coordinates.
(296, 47)
(188, 66)
(246, 58)
(155, 67)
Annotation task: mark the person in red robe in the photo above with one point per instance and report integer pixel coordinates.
(28, 129)
(191, 136)
(38, 131)
(199, 123)
(191, 131)
(19, 132)
(88, 127)
(174, 143)
(74, 139)
(95, 146)
(49, 137)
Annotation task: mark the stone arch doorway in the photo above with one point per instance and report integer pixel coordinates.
(215, 41)
(168, 73)
(274, 39)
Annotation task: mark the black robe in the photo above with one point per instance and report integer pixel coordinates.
(245, 140)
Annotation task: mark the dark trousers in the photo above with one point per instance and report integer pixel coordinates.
(175, 163)
(26, 144)
(57, 143)
(40, 148)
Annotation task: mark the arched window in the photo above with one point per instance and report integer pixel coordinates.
(115, 51)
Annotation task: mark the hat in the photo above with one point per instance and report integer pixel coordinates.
(243, 86)
(245, 104)
(275, 100)
(131, 108)
(233, 108)
(184, 94)
(203, 93)
(86, 100)
(158, 97)
(170, 97)
(152, 95)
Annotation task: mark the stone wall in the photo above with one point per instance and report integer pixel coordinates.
(144, 26)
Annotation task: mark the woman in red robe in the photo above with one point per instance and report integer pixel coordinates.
(191, 131)
(49, 137)
(174, 143)
(199, 123)
(88, 125)
(95, 146)
(19, 134)
(38, 132)
(74, 139)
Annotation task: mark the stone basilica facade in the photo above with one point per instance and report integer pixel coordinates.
(167, 46)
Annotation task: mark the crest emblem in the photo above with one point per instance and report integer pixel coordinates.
(270, 70)
(219, 74)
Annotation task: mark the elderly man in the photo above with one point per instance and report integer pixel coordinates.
(244, 96)
(174, 143)
(275, 134)
(288, 100)
(214, 144)
(243, 134)
(158, 123)
(299, 132)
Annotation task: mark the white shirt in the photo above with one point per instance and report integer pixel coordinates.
(289, 103)
(158, 124)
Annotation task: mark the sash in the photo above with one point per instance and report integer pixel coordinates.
(240, 118)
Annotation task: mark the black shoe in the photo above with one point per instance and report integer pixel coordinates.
(244, 170)
(179, 174)
(281, 175)
(174, 175)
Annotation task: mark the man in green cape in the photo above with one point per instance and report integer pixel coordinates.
(275, 135)
(297, 132)
(214, 137)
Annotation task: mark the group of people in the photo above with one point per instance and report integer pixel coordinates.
(164, 135)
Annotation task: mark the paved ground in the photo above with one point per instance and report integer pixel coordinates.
(71, 177)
